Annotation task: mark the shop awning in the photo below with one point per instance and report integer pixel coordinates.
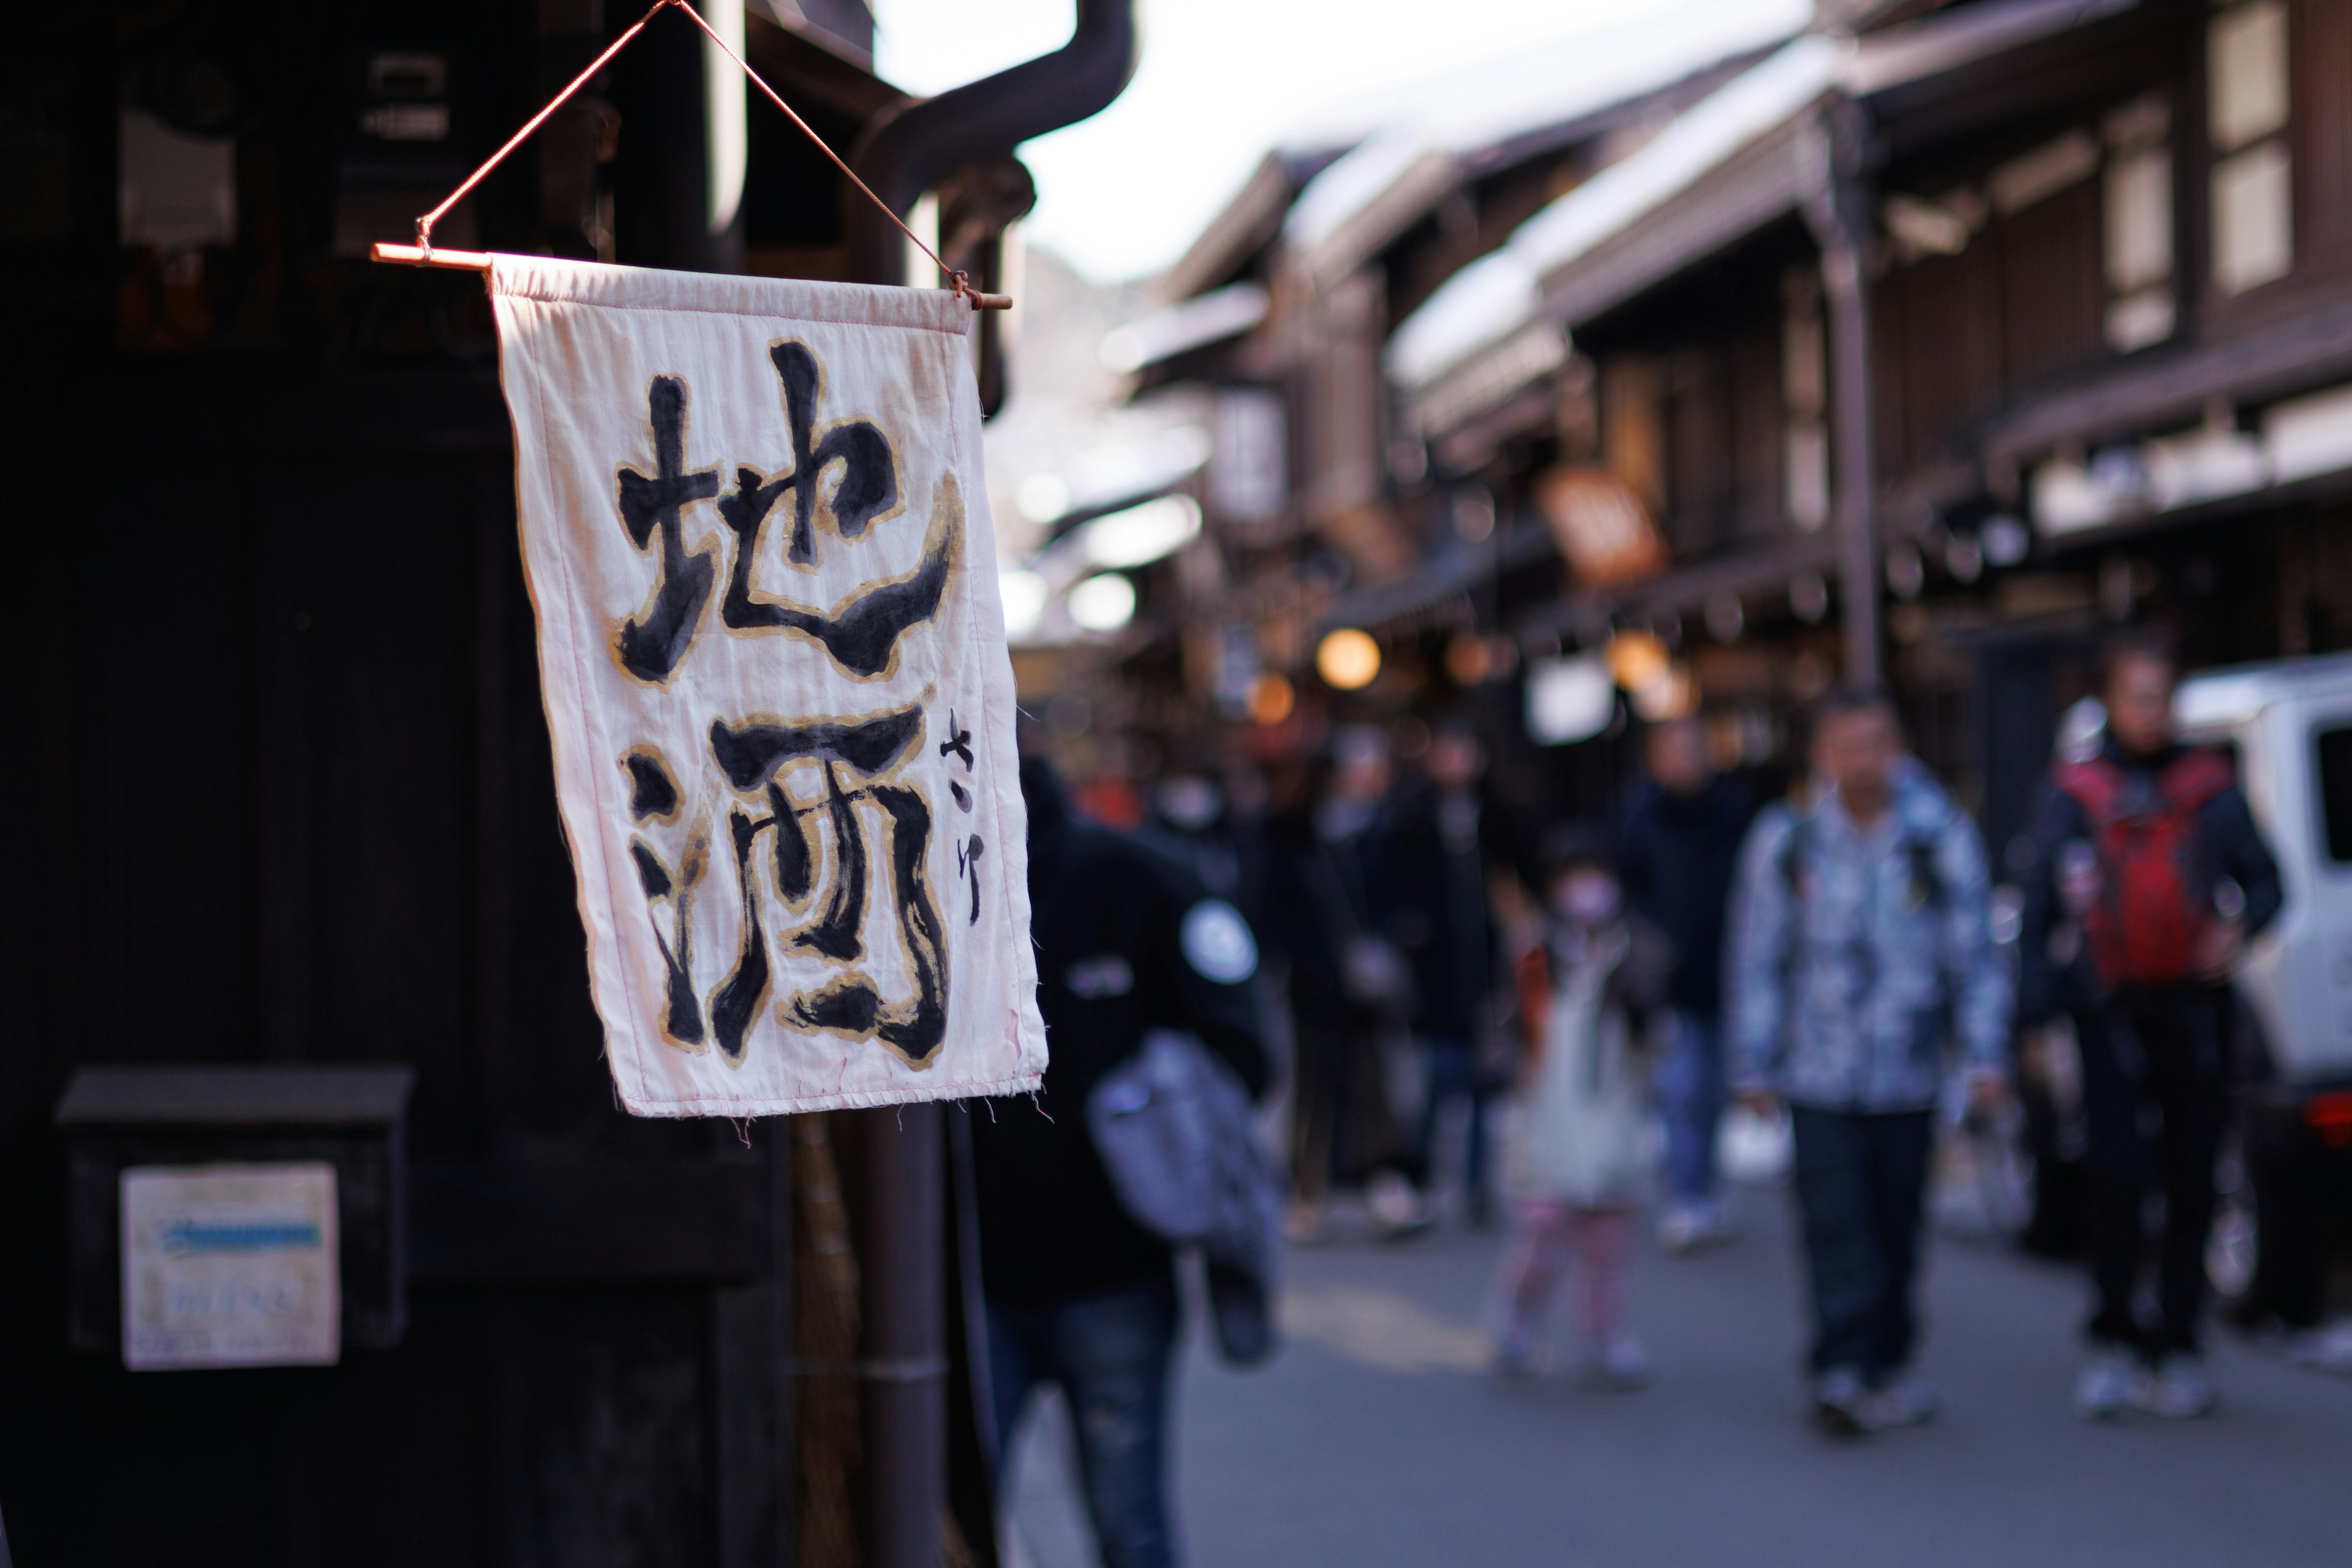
(1764, 569)
(1440, 583)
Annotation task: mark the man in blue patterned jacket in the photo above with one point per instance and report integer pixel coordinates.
(1860, 956)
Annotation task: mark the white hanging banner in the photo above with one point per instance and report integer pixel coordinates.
(756, 530)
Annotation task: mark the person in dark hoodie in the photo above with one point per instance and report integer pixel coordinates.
(1676, 849)
(1078, 1293)
(2148, 879)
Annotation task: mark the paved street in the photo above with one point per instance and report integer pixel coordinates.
(1376, 1438)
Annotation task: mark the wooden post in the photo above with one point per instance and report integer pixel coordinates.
(1849, 324)
(1838, 212)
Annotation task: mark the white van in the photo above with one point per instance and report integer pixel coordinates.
(2290, 725)
(2291, 728)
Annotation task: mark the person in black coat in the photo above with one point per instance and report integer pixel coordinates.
(1078, 1293)
(1678, 847)
(1439, 916)
(1332, 864)
(2153, 1027)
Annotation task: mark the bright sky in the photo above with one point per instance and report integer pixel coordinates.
(1221, 82)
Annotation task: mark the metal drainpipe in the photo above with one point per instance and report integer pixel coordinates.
(1839, 214)
(902, 1313)
(913, 151)
(904, 1357)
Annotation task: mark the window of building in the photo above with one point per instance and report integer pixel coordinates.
(1804, 386)
(2247, 112)
(2139, 224)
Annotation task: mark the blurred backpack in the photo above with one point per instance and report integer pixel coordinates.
(1173, 1126)
(2154, 906)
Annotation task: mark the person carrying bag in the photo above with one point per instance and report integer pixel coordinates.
(1076, 1265)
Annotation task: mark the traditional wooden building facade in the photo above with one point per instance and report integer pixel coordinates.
(1925, 340)
(1325, 509)
(2084, 373)
(282, 735)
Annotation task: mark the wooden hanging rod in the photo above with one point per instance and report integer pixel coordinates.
(479, 261)
(417, 256)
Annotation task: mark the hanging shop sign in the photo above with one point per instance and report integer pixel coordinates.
(1600, 526)
(756, 530)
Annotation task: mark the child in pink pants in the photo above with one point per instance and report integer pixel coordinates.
(1574, 1167)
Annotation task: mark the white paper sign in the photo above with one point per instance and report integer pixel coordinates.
(755, 525)
(230, 1266)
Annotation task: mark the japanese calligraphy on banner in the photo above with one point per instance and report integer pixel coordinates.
(757, 536)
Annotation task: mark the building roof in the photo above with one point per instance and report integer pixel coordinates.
(1187, 324)
(1426, 143)
(1493, 297)
(1534, 275)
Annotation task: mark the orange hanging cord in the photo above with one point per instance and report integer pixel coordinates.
(422, 253)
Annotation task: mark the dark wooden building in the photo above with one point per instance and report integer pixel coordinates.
(287, 784)
(2089, 365)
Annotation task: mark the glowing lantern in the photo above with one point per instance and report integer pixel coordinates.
(1348, 659)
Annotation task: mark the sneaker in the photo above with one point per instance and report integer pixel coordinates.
(1909, 1400)
(2108, 1388)
(1618, 1364)
(1716, 1223)
(2178, 1388)
(1841, 1402)
(1687, 1227)
(2325, 1350)
(1679, 1228)
(1397, 1210)
(1515, 1355)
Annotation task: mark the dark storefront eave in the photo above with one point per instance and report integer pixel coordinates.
(2147, 393)
(2164, 387)
(1386, 605)
(1756, 570)
(2316, 490)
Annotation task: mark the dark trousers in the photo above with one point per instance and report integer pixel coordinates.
(1111, 1354)
(1343, 1128)
(1861, 1187)
(2163, 1053)
(1690, 1093)
(1453, 1069)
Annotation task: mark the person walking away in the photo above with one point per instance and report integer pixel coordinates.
(1440, 919)
(1588, 987)
(2147, 880)
(1078, 1294)
(1350, 990)
(1677, 847)
(1860, 949)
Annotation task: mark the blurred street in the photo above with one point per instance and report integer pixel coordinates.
(876, 694)
(1378, 1438)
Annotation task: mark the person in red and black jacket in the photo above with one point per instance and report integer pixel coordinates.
(2148, 879)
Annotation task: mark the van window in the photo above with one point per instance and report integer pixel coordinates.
(2335, 748)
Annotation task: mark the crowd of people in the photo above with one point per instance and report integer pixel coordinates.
(1819, 956)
